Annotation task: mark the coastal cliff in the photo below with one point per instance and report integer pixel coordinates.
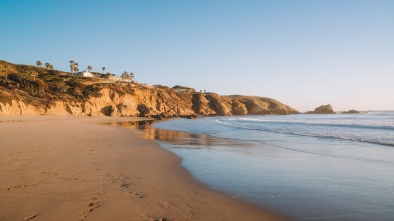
(31, 90)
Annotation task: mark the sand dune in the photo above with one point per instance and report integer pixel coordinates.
(77, 168)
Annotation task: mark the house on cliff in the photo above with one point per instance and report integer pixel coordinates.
(129, 80)
(179, 88)
(85, 74)
(115, 78)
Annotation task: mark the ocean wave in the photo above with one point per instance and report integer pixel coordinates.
(376, 126)
(324, 134)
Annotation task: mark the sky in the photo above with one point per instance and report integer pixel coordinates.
(304, 53)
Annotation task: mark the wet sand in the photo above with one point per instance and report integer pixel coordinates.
(78, 168)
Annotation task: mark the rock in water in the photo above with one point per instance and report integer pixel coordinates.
(323, 109)
(351, 112)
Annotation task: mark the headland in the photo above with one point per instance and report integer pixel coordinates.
(35, 90)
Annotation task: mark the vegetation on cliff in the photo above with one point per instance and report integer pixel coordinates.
(34, 90)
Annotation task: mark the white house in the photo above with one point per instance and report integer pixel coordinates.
(85, 74)
(113, 77)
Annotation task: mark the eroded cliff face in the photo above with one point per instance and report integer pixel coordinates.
(156, 102)
(58, 94)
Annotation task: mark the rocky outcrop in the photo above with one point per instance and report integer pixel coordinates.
(251, 105)
(351, 112)
(52, 92)
(323, 109)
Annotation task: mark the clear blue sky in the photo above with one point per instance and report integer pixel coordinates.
(302, 53)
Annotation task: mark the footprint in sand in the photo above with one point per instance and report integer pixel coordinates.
(29, 217)
(49, 173)
(93, 206)
(124, 185)
(129, 195)
(21, 186)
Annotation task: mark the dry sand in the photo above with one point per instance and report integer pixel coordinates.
(75, 168)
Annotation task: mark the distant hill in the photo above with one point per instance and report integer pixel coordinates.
(32, 90)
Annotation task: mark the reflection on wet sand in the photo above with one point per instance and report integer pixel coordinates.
(177, 138)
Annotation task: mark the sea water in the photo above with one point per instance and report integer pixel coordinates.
(308, 167)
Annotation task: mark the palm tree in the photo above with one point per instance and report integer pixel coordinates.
(124, 75)
(90, 68)
(103, 69)
(127, 77)
(47, 65)
(51, 67)
(76, 69)
(72, 66)
(38, 63)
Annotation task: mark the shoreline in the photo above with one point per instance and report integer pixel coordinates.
(73, 168)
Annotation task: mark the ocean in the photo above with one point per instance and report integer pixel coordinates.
(308, 167)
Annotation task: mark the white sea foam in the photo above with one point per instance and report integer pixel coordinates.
(360, 129)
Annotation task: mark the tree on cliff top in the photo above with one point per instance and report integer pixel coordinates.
(76, 69)
(38, 63)
(124, 75)
(72, 66)
(127, 76)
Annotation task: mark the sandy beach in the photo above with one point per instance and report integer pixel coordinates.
(78, 168)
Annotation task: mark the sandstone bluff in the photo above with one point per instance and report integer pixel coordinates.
(31, 90)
